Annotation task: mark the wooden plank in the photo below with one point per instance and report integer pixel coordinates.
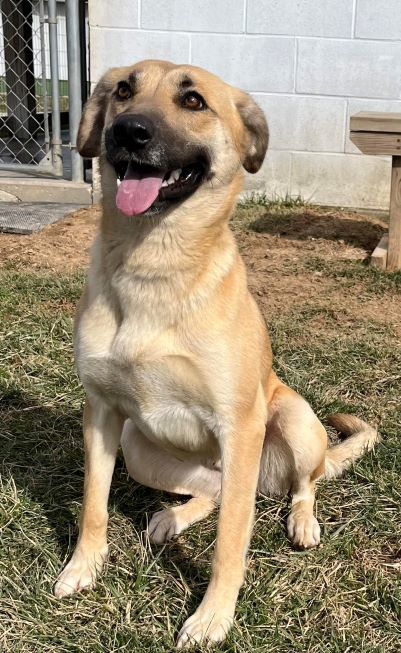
(377, 143)
(394, 231)
(379, 256)
(376, 121)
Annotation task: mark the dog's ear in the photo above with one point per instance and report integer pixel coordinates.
(256, 131)
(92, 121)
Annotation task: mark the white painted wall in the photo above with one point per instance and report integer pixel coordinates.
(309, 63)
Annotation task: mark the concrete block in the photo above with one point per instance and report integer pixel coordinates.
(7, 197)
(113, 13)
(46, 190)
(124, 47)
(254, 63)
(304, 123)
(300, 17)
(367, 105)
(274, 176)
(353, 68)
(378, 19)
(342, 179)
(205, 16)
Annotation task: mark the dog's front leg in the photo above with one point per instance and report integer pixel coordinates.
(241, 459)
(102, 428)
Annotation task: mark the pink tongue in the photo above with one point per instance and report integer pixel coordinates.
(136, 193)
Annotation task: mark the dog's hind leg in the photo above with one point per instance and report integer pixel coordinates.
(149, 465)
(292, 460)
(302, 525)
(172, 521)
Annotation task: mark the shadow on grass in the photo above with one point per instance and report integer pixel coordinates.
(307, 225)
(42, 451)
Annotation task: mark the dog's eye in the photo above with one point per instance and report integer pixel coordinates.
(193, 101)
(124, 92)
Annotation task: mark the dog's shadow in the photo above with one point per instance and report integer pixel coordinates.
(307, 225)
(42, 452)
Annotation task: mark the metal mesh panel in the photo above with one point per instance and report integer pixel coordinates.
(26, 217)
(25, 86)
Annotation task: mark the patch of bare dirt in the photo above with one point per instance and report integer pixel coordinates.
(272, 270)
(276, 247)
(61, 246)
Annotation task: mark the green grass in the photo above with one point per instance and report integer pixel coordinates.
(275, 203)
(63, 97)
(256, 205)
(345, 596)
(350, 273)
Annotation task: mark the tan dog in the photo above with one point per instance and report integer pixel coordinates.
(171, 347)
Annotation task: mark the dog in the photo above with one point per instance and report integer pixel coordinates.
(170, 345)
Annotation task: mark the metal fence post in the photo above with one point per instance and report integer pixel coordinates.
(56, 123)
(42, 21)
(74, 84)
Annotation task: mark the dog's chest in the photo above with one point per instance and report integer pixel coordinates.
(145, 374)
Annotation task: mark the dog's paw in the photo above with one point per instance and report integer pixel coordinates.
(205, 625)
(303, 530)
(80, 573)
(167, 523)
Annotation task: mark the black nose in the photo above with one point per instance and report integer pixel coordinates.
(132, 131)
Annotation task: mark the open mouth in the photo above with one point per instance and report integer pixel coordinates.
(139, 186)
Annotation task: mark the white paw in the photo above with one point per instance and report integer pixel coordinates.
(204, 626)
(79, 573)
(303, 530)
(167, 523)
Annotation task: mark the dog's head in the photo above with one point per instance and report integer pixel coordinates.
(167, 131)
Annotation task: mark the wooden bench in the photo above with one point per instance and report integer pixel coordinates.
(380, 133)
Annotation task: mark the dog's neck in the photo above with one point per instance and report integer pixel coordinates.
(163, 269)
(182, 241)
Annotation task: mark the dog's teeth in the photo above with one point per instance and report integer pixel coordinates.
(118, 181)
(174, 176)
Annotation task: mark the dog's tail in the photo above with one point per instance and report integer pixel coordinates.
(360, 437)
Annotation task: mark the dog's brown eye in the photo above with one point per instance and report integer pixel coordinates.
(193, 101)
(124, 92)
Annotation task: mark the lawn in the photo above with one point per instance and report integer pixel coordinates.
(335, 324)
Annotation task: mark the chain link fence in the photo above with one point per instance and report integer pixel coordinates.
(27, 87)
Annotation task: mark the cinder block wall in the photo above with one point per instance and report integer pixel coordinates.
(309, 63)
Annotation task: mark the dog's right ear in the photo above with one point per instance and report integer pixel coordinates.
(256, 131)
(92, 121)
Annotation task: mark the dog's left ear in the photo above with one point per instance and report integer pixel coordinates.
(92, 121)
(256, 131)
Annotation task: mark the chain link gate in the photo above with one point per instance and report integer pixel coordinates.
(31, 32)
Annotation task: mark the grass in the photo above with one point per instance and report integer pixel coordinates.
(347, 274)
(278, 204)
(343, 597)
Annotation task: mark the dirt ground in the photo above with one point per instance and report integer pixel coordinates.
(267, 242)
(61, 246)
(276, 244)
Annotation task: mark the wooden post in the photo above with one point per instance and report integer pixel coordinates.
(379, 256)
(394, 240)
